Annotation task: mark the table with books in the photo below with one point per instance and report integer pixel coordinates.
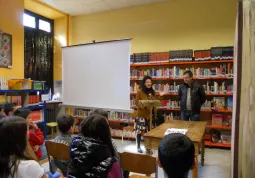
(195, 131)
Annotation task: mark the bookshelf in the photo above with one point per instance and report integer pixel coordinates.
(212, 69)
(27, 99)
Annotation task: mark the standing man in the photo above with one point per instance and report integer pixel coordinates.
(192, 97)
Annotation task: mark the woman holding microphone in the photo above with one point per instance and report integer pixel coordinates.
(146, 92)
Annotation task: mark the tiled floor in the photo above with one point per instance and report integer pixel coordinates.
(217, 161)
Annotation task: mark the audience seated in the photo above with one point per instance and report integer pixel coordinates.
(92, 152)
(36, 137)
(14, 163)
(65, 126)
(176, 154)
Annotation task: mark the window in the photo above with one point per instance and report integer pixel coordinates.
(28, 21)
(45, 26)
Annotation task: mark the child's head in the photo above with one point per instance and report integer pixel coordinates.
(23, 113)
(176, 155)
(65, 123)
(8, 109)
(101, 112)
(2, 108)
(13, 136)
(96, 126)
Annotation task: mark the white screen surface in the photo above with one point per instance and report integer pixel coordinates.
(97, 75)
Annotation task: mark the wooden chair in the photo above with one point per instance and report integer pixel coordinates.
(138, 163)
(58, 151)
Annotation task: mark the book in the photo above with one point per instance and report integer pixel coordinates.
(217, 119)
(219, 103)
(230, 103)
(174, 130)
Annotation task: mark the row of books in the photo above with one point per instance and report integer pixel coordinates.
(119, 132)
(32, 99)
(77, 112)
(223, 137)
(177, 72)
(218, 103)
(210, 88)
(219, 120)
(173, 104)
(215, 53)
(37, 116)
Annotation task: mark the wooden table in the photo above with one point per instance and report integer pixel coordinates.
(196, 130)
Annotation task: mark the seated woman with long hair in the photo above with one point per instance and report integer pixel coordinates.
(13, 160)
(92, 152)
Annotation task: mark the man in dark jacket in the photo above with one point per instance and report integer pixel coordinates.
(192, 97)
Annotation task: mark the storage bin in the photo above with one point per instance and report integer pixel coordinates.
(20, 84)
(38, 85)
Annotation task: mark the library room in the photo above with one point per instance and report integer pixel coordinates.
(127, 88)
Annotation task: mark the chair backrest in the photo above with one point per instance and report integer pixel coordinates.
(58, 150)
(137, 163)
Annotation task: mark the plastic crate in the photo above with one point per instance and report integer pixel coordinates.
(20, 84)
(38, 85)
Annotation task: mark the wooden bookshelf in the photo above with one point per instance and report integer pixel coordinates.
(219, 127)
(215, 111)
(180, 63)
(221, 145)
(207, 94)
(121, 121)
(195, 78)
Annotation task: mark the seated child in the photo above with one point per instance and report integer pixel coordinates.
(36, 137)
(176, 155)
(65, 126)
(13, 136)
(92, 153)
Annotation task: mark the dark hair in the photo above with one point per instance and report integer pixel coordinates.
(96, 126)
(65, 122)
(13, 136)
(188, 72)
(1, 107)
(24, 113)
(100, 112)
(176, 154)
(8, 107)
(144, 88)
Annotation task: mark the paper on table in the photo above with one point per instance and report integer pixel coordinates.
(174, 130)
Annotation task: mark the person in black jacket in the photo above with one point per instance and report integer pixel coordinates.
(192, 97)
(92, 153)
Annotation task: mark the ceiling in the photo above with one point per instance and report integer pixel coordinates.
(79, 7)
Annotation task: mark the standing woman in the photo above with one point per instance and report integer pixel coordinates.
(146, 92)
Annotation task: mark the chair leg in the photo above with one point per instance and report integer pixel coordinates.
(52, 132)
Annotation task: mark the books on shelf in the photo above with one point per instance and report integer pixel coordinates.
(37, 116)
(225, 70)
(181, 55)
(230, 103)
(218, 88)
(173, 104)
(217, 119)
(202, 55)
(219, 103)
(77, 112)
(215, 53)
(175, 130)
(207, 105)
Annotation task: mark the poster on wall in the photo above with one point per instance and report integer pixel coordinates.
(5, 49)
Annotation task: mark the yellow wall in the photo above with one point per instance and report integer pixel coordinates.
(11, 21)
(176, 24)
(60, 35)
